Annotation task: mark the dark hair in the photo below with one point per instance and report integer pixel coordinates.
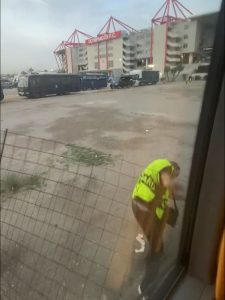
(176, 169)
(173, 170)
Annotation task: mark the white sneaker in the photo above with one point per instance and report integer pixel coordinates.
(140, 292)
(141, 241)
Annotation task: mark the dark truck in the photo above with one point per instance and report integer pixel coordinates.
(40, 85)
(93, 81)
(6, 83)
(2, 94)
(122, 82)
(201, 73)
(145, 77)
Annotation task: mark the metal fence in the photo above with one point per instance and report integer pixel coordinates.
(67, 229)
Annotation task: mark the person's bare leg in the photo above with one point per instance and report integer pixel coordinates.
(154, 257)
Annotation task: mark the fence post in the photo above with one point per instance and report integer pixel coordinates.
(3, 144)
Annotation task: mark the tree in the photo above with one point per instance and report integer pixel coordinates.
(31, 70)
(166, 72)
(171, 73)
(176, 71)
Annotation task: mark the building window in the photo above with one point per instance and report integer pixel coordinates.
(140, 37)
(110, 64)
(96, 65)
(185, 46)
(186, 26)
(185, 36)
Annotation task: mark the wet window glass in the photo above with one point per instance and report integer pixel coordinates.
(94, 171)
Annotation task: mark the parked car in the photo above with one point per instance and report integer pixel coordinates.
(122, 82)
(6, 84)
(15, 81)
(145, 77)
(2, 94)
(201, 73)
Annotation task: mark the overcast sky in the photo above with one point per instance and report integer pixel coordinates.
(31, 29)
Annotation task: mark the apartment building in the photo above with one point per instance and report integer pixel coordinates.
(118, 51)
(76, 59)
(184, 42)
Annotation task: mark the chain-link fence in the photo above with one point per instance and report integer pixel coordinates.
(67, 228)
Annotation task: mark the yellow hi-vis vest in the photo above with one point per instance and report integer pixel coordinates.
(149, 181)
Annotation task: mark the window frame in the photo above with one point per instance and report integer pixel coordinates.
(210, 103)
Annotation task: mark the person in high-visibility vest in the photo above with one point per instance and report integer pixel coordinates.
(150, 199)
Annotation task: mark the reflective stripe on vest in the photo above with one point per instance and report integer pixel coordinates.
(159, 212)
(145, 188)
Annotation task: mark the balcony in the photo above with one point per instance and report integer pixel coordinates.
(173, 44)
(173, 59)
(129, 64)
(129, 50)
(140, 45)
(173, 52)
(127, 44)
(174, 35)
(128, 55)
(127, 69)
(84, 64)
(130, 59)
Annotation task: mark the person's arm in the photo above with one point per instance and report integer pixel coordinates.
(166, 195)
(162, 204)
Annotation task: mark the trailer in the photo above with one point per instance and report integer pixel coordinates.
(145, 77)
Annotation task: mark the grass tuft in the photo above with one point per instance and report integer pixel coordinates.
(86, 156)
(13, 183)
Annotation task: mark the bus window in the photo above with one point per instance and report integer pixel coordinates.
(66, 80)
(34, 82)
(23, 81)
(95, 185)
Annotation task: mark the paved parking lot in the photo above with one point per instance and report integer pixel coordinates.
(74, 237)
(139, 123)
